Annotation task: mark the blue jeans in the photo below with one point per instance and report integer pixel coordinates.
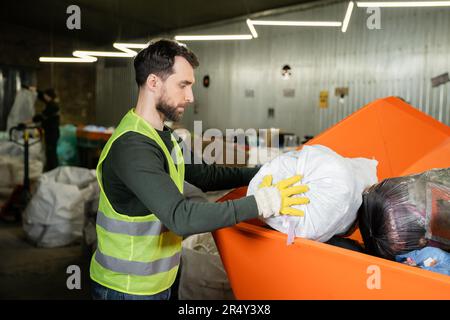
(100, 292)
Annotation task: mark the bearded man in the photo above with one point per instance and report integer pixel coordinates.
(143, 215)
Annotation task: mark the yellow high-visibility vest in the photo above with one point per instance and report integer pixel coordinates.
(136, 255)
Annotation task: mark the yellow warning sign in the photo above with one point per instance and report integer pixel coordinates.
(323, 100)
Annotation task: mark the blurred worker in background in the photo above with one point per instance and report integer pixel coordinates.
(49, 120)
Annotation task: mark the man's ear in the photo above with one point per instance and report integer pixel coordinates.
(152, 82)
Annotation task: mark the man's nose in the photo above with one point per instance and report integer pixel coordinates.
(190, 96)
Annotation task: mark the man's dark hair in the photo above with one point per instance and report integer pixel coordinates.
(158, 58)
(51, 93)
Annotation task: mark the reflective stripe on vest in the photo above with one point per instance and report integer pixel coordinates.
(146, 228)
(135, 267)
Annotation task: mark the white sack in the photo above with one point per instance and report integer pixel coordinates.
(35, 151)
(12, 170)
(55, 215)
(22, 109)
(335, 190)
(202, 275)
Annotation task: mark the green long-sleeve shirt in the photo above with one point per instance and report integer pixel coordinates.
(137, 182)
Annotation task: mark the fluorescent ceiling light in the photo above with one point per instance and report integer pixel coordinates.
(73, 60)
(90, 56)
(298, 23)
(396, 4)
(215, 37)
(348, 14)
(252, 28)
(126, 47)
(84, 54)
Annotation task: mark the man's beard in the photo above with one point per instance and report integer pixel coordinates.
(169, 111)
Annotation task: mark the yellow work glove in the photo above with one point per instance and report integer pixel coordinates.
(277, 199)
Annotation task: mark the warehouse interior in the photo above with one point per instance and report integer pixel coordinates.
(351, 98)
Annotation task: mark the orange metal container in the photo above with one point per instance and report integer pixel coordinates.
(261, 266)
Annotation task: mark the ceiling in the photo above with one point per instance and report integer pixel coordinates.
(106, 21)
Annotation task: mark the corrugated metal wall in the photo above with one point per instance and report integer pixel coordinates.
(116, 91)
(412, 46)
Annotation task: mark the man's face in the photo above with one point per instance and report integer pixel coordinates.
(176, 91)
(46, 98)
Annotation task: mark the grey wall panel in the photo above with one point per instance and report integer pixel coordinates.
(400, 59)
(116, 92)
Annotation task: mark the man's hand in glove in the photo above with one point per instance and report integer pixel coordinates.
(273, 200)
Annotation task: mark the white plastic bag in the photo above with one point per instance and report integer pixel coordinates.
(335, 190)
(203, 276)
(12, 170)
(55, 215)
(6, 172)
(35, 150)
(12, 162)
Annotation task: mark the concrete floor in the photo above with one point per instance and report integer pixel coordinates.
(27, 272)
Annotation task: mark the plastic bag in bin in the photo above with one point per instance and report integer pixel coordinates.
(438, 213)
(336, 184)
(404, 214)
